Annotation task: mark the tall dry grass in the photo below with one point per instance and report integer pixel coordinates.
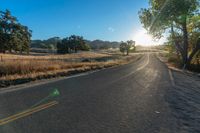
(25, 67)
(11, 70)
(53, 57)
(17, 67)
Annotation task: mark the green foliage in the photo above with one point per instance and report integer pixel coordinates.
(175, 16)
(126, 47)
(72, 44)
(162, 13)
(175, 60)
(13, 35)
(46, 44)
(95, 45)
(122, 47)
(99, 44)
(85, 47)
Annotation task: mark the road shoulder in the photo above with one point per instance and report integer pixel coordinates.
(183, 98)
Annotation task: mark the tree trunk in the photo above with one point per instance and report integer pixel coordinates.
(28, 51)
(75, 49)
(194, 51)
(127, 52)
(179, 49)
(185, 43)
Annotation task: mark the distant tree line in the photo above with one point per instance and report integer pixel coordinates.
(94, 45)
(100, 44)
(50, 43)
(72, 44)
(13, 35)
(127, 47)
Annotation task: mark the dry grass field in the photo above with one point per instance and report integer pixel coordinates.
(53, 57)
(16, 67)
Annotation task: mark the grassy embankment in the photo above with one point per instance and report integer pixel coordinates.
(16, 69)
(174, 62)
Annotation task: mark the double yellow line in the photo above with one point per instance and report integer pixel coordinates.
(27, 112)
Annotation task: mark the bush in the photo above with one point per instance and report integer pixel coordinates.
(173, 59)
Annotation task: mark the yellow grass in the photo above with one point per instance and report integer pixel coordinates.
(30, 69)
(19, 67)
(54, 57)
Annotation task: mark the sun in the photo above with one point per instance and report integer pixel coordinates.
(142, 38)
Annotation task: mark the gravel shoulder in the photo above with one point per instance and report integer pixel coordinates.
(184, 99)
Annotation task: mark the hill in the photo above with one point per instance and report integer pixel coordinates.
(52, 42)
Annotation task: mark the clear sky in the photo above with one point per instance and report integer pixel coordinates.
(113, 20)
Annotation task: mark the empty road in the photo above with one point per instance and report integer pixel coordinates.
(124, 99)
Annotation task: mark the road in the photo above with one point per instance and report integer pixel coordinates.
(124, 99)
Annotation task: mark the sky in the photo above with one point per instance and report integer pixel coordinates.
(112, 20)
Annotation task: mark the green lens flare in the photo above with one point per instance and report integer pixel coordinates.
(55, 93)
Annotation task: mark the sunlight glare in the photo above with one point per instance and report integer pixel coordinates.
(143, 38)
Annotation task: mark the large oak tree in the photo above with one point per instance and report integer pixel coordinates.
(173, 16)
(13, 35)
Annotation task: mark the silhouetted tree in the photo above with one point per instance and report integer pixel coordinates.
(130, 46)
(122, 47)
(125, 47)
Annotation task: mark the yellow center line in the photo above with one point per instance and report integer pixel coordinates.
(10, 117)
(27, 112)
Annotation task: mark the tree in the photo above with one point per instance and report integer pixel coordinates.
(173, 15)
(125, 47)
(131, 46)
(85, 47)
(13, 35)
(75, 43)
(122, 47)
(61, 48)
(99, 44)
(72, 44)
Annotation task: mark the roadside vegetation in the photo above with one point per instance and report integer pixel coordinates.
(181, 24)
(173, 61)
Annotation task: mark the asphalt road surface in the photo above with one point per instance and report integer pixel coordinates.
(124, 99)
